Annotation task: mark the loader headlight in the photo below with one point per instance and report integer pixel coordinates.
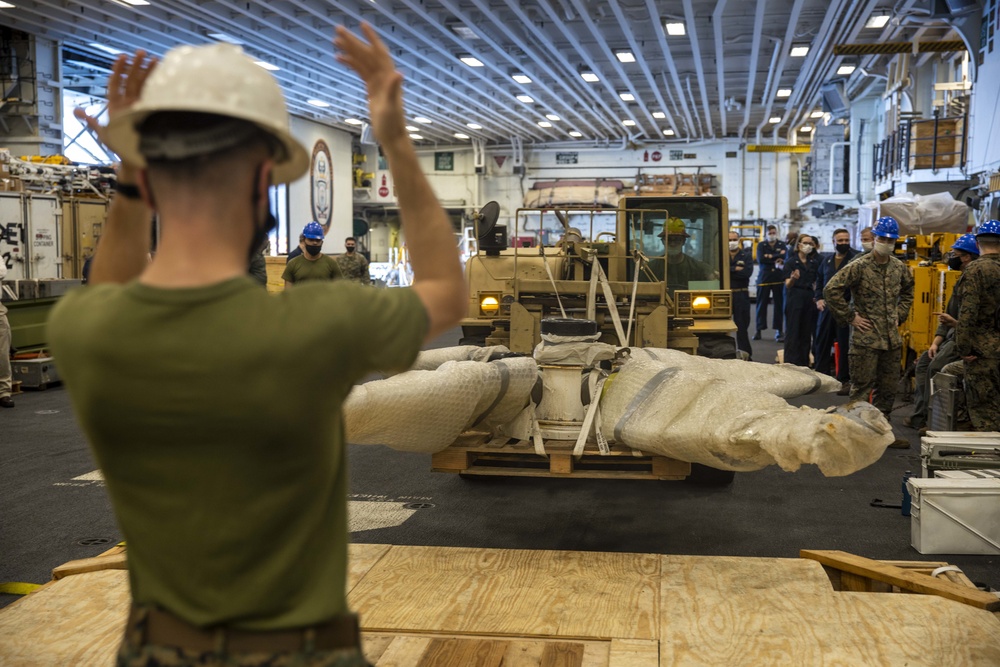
(701, 303)
(489, 305)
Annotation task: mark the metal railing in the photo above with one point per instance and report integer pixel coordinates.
(934, 143)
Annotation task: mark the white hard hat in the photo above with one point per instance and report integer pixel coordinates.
(214, 79)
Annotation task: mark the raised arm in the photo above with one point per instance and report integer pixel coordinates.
(437, 271)
(124, 248)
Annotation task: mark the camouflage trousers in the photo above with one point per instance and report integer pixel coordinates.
(135, 652)
(982, 393)
(875, 375)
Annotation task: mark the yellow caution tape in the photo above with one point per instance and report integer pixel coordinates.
(18, 588)
(777, 148)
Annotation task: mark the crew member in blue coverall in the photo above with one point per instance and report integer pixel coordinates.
(801, 269)
(828, 331)
(740, 270)
(770, 282)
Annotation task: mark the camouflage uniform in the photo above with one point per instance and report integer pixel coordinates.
(978, 334)
(135, 652)
(355, 267)
(882, 293)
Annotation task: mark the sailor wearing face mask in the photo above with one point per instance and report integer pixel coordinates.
(801, 272)
(770, 256)
(740, 270)
(867, 240)
(942, 350)
(312, 264)
(681, 268)
(828, 331)
(881, 289)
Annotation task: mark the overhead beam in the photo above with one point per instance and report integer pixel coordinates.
(898, 47)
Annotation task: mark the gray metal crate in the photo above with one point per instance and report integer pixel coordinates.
(35, 373)
(945, 390)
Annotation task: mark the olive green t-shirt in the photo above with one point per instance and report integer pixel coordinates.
(300, 269)
(215, 416)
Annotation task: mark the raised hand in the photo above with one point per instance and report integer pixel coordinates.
(128, 76)
(384, 83)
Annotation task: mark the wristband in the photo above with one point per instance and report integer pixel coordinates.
(128, 190)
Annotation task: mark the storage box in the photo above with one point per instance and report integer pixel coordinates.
(957, 450)
(35, 373)
(949, 143)
(955, 516)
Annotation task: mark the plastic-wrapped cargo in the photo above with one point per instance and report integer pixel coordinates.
(919, 214)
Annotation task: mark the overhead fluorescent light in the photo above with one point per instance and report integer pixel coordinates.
(133, 3)
(668, 132)
(526, 99)
(410, 128)
(628, 122)
(318, 103)
(659, 115)
(472, 126)
(784, 92)
(223, 37)
(463, 31)
(877, 21)
(806, 128)
(425, 121)
(100, 47)
(521, 78)
(774, 119)
(471, 61)
(544, 123)
(816, 114)
(627, 97)
(625, 56)
(575, 134)
(354, 121)
(416, 136)
(589, 76)
(459, 135)
(675, 29)
(6, 5)
(799, 51)
(845, 70)
(266, 65)
(552, 116)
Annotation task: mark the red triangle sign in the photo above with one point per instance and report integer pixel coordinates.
(500, 159)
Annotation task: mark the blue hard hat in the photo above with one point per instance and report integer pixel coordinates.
(313, 231)
(989, 227)
(967, 243)
(886, 227)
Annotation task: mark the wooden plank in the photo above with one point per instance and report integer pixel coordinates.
(723, 612)
(634, 653)
(560, 464)
(360, 559)
(455, 652)
(856, 583)
(511, 592)
(903, 579)
(403, 651)
(115, 561)
(450, 460)
(77, 620)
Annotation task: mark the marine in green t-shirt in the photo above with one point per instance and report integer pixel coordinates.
(302, 269)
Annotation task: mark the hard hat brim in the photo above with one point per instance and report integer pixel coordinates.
(123, 138)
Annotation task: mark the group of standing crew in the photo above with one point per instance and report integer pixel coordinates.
(857, 300)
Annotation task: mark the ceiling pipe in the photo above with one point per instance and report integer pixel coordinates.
(650, 79)
(758, 26)
(767, 96)
(613, 62)
(848, 30)
(720, 62)
(654, 17)
(690, 98)
(782, 46)
(698, 68)
(537, 60)
(686, 119)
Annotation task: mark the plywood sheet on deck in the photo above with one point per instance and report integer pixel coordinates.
(511, 592)
(745, 611)
(75, 621)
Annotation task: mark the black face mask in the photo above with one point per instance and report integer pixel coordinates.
(842, 248)
(260, 233)
(955, 263)
(350, 249)
(313, 250)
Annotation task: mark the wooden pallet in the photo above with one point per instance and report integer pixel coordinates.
(15, 387)
(477, 455)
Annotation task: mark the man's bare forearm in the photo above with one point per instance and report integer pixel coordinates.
(122, 252)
